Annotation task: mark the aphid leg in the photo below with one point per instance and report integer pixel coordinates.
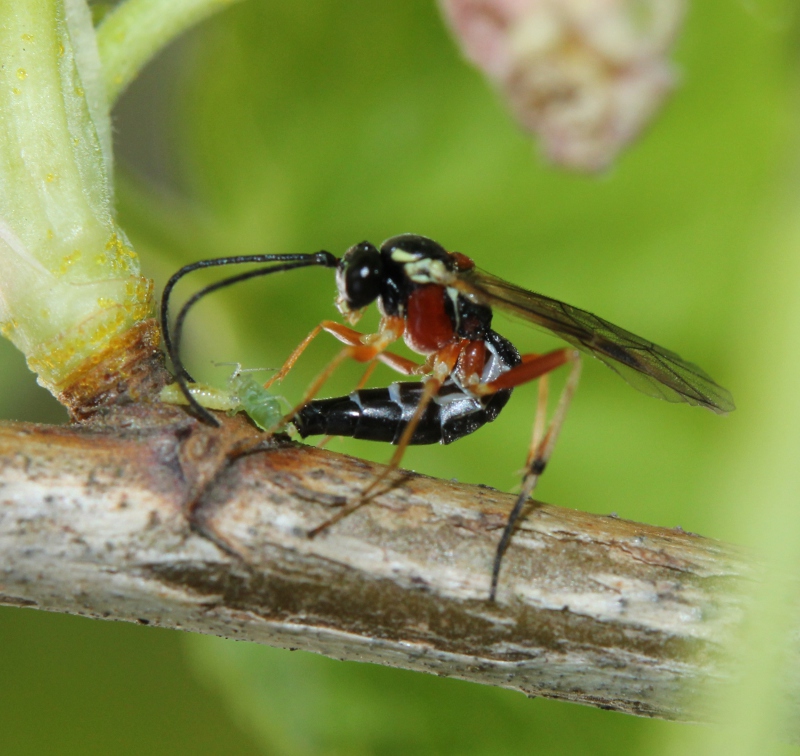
(443, 366)
(541, 449)
(239, 370)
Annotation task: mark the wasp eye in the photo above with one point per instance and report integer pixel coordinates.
(360, 275)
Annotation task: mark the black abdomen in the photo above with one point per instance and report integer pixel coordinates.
(381, 414)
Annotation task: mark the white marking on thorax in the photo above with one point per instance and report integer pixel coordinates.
(453, 294)
(428, 271)
(401, 256)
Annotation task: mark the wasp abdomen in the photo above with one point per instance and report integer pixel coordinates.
(381, 414)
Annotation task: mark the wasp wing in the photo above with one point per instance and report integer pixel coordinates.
(646, 366)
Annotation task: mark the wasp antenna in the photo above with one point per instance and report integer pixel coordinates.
(172, 344)
(322, 258)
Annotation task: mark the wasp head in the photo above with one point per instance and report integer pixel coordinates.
(359, 276)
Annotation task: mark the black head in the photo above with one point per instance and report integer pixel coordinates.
(358, 277)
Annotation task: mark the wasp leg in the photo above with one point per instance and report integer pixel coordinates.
(443, 365)
(363, 382)
(390, 331)
(367, 375)
(359, 347)
(540, 419)
(533, 366)
(317, 384)
(542, 447)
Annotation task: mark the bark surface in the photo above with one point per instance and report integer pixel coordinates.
(148, 516)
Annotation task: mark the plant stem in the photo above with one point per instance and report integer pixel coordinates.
(136, 30)
(69, 280)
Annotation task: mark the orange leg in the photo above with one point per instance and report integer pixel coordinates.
(295, 355)
(444, 363)
(471, 362)
(391, 330)
(317, 384)
(397, 363)
(533, 366)
(412, 367)
(542, 446)
(367, 374)
(539, 420)
(360, 347)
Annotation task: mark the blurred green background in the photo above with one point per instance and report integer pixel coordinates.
(292, 127)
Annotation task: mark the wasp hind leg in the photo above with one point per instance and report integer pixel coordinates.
(445, 361)
(541, 449)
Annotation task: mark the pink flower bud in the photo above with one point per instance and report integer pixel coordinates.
(585, 75)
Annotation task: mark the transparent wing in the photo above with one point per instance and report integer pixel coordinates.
(646, 366)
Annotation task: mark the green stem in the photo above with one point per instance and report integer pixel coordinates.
(69, 281)
(137, 30)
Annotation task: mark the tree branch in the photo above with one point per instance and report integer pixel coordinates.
(152, 517)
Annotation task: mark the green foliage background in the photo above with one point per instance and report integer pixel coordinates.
(291, 127)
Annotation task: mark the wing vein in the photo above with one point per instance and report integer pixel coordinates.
(645, 365)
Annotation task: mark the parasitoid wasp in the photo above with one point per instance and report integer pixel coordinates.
(441, 304)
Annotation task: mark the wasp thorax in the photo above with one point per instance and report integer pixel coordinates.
(407, 248)
(359, 277)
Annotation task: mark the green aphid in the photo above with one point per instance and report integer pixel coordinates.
(244, 394)
(263, 408)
